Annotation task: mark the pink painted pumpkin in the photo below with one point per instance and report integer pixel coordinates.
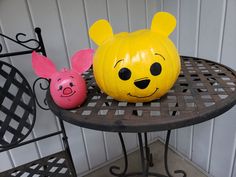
(67, 87)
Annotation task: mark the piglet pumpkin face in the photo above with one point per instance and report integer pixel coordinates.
(67, 87)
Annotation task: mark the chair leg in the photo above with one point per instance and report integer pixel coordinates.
(67, 149)
(71, 163)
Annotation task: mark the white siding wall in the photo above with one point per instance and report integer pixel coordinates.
(206, 28)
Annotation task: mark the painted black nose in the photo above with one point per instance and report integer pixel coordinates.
(142, 84)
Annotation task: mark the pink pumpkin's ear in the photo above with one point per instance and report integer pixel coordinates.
(42, 66)
(82, 60)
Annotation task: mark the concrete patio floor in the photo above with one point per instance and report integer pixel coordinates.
(157, 148)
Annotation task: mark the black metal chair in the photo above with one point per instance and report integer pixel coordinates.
(16, 124)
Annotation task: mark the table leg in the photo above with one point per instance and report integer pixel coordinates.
(166, 157)
(145, 160)
(112, 168)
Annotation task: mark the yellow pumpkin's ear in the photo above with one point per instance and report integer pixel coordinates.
(163, 23)
(100, 31)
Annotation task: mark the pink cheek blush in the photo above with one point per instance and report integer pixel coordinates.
(68, 89)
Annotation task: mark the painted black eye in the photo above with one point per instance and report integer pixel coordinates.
(124, 74)
(155, 69)
(60, 87)
(71, 84)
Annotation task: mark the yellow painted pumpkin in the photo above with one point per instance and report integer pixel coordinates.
(139, 66)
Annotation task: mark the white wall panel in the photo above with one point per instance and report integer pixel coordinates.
(137, 14)
(204, 28)
(233, 165)
(95, 147)
(234, 173)
(118, 12)
(210, 32)
(5, 161)
(229, 40)
(188, 20)
(184, 138)
(130, 140)
(223, 146)
(201, 143)
(113, 145)
(73, 20)
(19, 156)
(233, 161)
(77, 147)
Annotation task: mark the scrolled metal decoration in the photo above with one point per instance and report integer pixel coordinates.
(21, 41)
(39, 81)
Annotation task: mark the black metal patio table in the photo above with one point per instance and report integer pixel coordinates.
(204, 90)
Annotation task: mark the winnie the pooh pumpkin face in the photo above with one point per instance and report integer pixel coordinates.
(136, 67)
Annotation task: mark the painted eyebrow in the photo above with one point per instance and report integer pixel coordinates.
(160, 56)
(118, 62)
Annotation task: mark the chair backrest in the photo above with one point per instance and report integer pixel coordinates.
(18, 107)
(17, 100)
(18, 113)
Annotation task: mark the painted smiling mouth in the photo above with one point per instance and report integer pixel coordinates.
(143, 96)
(69, 94)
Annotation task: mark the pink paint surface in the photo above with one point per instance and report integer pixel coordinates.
(67, 87)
